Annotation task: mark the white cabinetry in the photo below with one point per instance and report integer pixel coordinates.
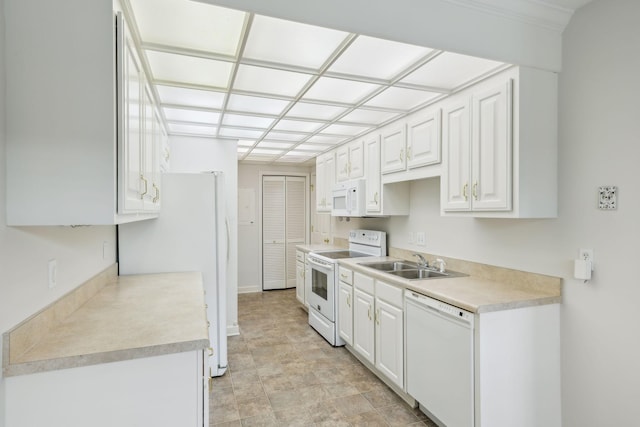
(350, 161)
(301, 258)
(345, 305)
(500, 147)
(417, 154)
(131, 389)
(381, 199)
(325, 181)
(63, 140)
(389, 329)
(378, 328)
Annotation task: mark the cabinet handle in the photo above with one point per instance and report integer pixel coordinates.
(409, 153)
(377, 316)
(475, 190)
(210, 351)
(349, 300)
(375, 198)
(402, 155)
(464, 191)
(146, 186)
(369, 312)
(343, 276)
(157, 196)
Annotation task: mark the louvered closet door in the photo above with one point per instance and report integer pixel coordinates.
(296, 223)
(273, 232)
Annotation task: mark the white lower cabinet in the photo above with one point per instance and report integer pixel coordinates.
(389, 335)
(345, 312)
(300, 276)
(378, 331)
(159, 391)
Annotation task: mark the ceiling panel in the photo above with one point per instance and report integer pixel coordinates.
(315, 111)
(372, 57)
(360, 115)
(339, 90)
(256, 104)
(292, 43)
(189, 24)
(182, 128)
(265, 81)
(185, 115)
(189, 69)
(297, 125)
(246, 121)
(269, 80)
(190, 97)
(401, 98)
(450, 70)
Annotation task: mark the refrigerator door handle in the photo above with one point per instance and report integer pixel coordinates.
(226, 223)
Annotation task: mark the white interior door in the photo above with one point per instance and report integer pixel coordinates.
(284, 226)
(273, 232)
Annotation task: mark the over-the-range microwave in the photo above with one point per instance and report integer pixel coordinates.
(349, 198)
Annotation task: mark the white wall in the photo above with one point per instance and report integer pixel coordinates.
(25, 251)
(598, 145)
(249, 239)
(190, 154)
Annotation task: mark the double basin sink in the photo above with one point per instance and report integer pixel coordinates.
(409, 270)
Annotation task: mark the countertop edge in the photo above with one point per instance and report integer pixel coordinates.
(103, 357)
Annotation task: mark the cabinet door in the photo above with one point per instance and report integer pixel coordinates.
(342, 163)
(330, 178)
(390, 341)
(423, 140)
(130, 145)
(345, 312)
(321, 192)
(393, 144)
(300, 274)
(372, 168)
(148, 139)
(491, 149)
(457, 145)
(363, 326)
(356, 159)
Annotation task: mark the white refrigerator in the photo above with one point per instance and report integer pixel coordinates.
(190, 234)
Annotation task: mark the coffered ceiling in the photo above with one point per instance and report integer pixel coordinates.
(286, 91)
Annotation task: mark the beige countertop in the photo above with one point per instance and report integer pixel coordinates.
(131, 317)
(318, 247)
(472, 293)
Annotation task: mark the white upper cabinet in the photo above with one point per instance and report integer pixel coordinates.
(75, 140)
(372, 173)
(423, 139)
(350, 161)
(393, 148)
(500, 147)
(325, 180)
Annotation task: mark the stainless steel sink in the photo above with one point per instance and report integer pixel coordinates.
(418, 274)
(390, 266)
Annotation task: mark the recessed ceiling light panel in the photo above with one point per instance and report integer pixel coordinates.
(255, 104)
(186, 115)
(339, 90)
(269, 80)
(189, 69)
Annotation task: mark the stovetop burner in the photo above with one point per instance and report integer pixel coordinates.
(341, 254)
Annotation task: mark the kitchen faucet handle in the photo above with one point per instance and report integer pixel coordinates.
(422, 261)
(442, 264)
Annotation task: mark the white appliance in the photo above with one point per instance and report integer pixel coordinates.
(440, 359)
(323, 270)
(191, 234)
(349, 198)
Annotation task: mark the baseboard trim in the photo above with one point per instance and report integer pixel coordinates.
(233, 330)
(248, 289)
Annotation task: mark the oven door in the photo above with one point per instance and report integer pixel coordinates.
(322, 295)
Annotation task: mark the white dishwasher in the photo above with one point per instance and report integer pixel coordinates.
(440, 359)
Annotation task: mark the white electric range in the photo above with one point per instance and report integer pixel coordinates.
(323, 295)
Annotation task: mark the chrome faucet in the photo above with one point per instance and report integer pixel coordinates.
(443, 264)
(422, 262)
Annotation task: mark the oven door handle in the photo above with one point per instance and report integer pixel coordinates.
(317, 264)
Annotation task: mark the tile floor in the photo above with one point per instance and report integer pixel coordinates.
(282, 373)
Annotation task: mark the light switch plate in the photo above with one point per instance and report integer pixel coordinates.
(420, 238)
(607, 197)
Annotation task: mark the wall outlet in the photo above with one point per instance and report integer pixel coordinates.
(53, 273)
(420, 238)
(586, 255)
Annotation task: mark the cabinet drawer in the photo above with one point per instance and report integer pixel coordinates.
(362, 282)
(300, 256)
(389, 293)
(345, 275)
